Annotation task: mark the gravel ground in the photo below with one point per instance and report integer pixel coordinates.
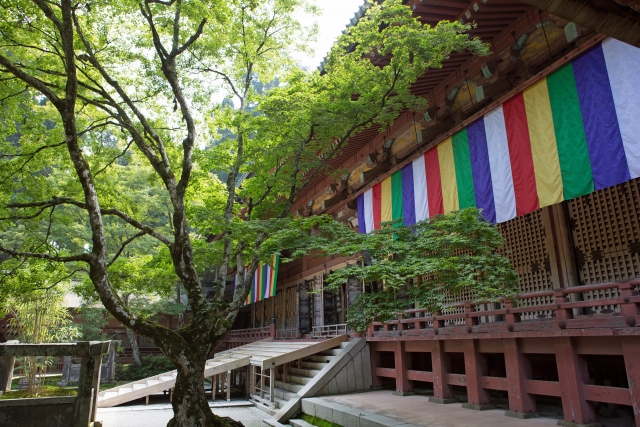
(159, 415)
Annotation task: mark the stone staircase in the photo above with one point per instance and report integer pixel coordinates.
(298, 374)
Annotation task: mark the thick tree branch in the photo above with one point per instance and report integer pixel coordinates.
(73, 258)
(108, 211)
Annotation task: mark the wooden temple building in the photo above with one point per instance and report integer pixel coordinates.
(543, 135)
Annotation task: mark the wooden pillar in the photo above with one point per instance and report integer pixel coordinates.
(475, 366)
(262, 383)
(375, 363)
(404, 387)
(572, 372)
(229, 386)
(214, 387)
(253, 379)
(631, 352)
(440, 361)
(521, 403)
(272, 379)
(247, 381)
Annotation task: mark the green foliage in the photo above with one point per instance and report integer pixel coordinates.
(90, 323)
(433, 261)
(319, 422)
(38, 318)
(151, 365)
(45, 391)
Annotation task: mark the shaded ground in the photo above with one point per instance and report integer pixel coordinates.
(158, 415)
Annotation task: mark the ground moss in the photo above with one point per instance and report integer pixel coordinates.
(46, 391)
(318, 421)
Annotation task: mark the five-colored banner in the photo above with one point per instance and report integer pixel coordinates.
(264, 281)
(573, 132)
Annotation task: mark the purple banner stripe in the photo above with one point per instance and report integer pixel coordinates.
(481, 170)
(408, 199)
(604, 142)
(361, 223)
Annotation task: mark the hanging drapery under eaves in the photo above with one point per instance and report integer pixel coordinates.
(263, 284)
(573, 132)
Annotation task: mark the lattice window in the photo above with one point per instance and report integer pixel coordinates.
(606, 233)
(525, 246)
(290, 307)
(280, 310)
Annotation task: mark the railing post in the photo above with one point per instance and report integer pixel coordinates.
(272, 331)
(628, 290)
(511, 318)
(470, 321)
(437, 323)
(560, 298)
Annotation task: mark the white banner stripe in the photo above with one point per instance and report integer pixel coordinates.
(500, 163)
(368, 210)
(420, 189)
(623, 65)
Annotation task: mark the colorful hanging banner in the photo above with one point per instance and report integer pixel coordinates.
(569, 134)
(263, 285)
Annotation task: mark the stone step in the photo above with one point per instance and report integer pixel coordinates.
(299, 423)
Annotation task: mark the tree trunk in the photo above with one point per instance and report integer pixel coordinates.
(134, 346)
(190, 406)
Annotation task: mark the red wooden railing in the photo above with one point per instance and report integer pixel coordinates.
(249, 335)
(614, 312)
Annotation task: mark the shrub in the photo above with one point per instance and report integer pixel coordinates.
(151, 365)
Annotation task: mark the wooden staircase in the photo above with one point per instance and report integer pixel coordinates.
(262, 356)
(293, 376)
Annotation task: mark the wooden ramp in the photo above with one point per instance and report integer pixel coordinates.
(265, 354)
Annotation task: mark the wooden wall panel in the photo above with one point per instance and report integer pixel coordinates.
(606, 232)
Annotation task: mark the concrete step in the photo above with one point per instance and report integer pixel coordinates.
(318, 358)
(283, 394)
(298, 379)
(347, 416)
(299, 423)
(278, 402)
(294, 388)
(304, 372)
(264, 408)
(331, 352)
(317, 366)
